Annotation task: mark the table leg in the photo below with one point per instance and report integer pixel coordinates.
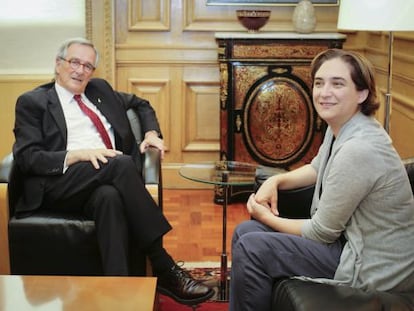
(223, 263)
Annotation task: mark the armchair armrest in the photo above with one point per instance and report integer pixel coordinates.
(409, 166)
(5, 167)
(152, 157)
(151, 164)
(293, 203)
(152, 174)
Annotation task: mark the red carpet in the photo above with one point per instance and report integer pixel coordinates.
(167, 304)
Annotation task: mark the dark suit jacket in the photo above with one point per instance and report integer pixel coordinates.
(41, 133)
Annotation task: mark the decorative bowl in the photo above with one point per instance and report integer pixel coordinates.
(253, 20)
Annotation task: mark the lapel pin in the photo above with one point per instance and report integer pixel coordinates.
(99, 100)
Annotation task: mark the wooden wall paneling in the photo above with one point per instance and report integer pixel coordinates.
(403, 42)
(355, 41)
(173, 37)
(156, 83)
(402, 115)
(120, 21)
(100, 30)
(160, 84)
(200, 17)
(403, 83)
(157, 92)
(11, 87)
(132, 54)
(402, 121)
(402, 125)
(198, 130)
(149, 15)
(201, 111)
(201, 126)
(403, 65)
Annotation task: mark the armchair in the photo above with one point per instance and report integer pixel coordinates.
(298, 295)
(58, 243)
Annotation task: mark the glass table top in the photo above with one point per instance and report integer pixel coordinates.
(228, 173)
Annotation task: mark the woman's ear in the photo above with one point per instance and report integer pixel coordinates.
(362, 96)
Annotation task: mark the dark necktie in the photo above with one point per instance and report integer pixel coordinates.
(96, 121)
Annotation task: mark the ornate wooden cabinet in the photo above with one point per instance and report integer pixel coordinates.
(266, 111)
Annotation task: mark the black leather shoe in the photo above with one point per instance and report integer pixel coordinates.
(179, 285)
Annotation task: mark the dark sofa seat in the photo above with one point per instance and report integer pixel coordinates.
(56, 243)
(298, 295)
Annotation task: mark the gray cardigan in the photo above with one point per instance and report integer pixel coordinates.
(367, 196)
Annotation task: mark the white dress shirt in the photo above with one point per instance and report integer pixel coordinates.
(82, 133)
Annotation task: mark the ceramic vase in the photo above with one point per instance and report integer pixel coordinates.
(304, 19)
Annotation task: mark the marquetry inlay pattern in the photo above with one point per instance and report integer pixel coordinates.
(224, 76)
(278, 121)
(284, 51)
(244, 77)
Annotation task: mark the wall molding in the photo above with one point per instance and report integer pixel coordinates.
(199, 17)
(100, 30)
(380, 61)
(156, 91)
(199, 108)
(130, 55)
(140, 20)
(404, 104)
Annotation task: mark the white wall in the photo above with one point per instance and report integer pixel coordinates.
(32, 30)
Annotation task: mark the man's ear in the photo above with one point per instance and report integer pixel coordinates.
(362, 96)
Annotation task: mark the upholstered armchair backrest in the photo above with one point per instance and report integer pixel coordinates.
(5, 168)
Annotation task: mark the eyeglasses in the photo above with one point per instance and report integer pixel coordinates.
(76, 63)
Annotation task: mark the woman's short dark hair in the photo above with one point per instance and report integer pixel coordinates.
(362, 74)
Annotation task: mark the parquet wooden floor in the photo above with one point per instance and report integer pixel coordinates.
(197, 224)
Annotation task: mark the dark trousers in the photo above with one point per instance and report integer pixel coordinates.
(115, 197)
(260, 256)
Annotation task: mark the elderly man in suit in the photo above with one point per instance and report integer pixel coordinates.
(67, 157)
